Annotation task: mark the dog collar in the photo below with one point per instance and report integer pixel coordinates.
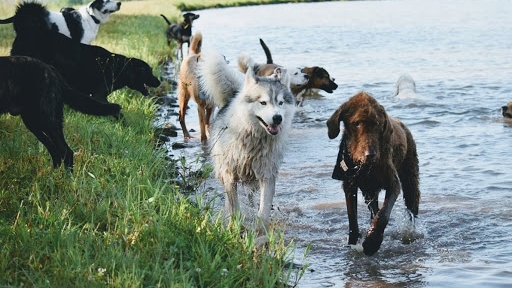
(95, 19)
(92, 15)
(345, 167)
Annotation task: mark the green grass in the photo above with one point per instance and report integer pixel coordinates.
(118, 220)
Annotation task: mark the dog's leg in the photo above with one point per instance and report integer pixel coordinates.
(209, 112)
(267, 190)
(372, 200)
(180, 51)
(183, 98)
(375, 234)
(409, 177)
(232, 205)
(52, 137)
(202, 121)
(350, 190)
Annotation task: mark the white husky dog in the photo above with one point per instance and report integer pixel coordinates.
(405, 87)
(249, 133)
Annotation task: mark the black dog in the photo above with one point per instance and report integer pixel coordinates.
(181, 32)
(102, 72)
(36, 92)
(92, 70)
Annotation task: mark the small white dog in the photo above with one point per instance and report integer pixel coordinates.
(405, 87)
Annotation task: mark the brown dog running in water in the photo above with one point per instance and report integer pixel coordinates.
(376, 152)
(188, 87)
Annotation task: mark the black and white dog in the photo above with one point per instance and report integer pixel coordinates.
(81, 25)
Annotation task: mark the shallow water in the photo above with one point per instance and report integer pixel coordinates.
(460, 54)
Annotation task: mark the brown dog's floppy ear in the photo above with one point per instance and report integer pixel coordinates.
(333, 124)
(387, 128)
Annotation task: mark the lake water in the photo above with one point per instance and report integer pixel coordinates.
(460, 54)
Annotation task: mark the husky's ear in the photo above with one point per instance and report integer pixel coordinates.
(333, 124)
(250, 77)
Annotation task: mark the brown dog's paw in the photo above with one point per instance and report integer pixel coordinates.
(372, 244)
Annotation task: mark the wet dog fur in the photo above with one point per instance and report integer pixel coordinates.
(82, 24)
(249, 133)
(377, 152)
(37, 92)
(180, 32)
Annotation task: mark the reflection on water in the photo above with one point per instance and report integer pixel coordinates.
(459, 54)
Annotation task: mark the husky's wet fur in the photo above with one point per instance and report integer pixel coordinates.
(249, 133)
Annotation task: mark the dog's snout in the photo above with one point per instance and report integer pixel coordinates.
(277, 119)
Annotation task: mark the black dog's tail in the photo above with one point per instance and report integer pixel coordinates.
(166, 20)
(267, 52)
(7, 21)
(30, 17)
(89, 105)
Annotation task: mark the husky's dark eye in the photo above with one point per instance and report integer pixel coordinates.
(263, 103)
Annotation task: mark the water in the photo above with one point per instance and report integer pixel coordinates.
(460, 54)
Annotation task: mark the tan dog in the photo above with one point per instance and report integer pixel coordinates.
(506, 111)
(376, 152)
(188, 87)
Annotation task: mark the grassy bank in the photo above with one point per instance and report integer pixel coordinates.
(117, 220)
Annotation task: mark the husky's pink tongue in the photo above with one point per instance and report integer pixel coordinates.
(273, 129)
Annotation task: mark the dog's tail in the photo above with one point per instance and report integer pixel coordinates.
(166, 20)
(7, 21)
(197, 42)
(217, 80)
(267, 52)
(89, 105)
(244, 62)
(31, 18)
